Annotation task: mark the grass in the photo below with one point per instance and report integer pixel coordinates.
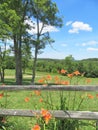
(15, 100)
(10, 78)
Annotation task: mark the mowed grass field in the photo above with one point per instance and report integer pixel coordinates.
(10, 78)
(51, 100)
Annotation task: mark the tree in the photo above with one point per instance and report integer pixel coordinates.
(13, 14)
(26, 55)
(69, 63)
(45, 12)
(3, 53)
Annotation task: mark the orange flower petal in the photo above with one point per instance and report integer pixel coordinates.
(1, 95)
(48, 77)
(40, 100)
(76, 72)
(37, 92)
(41, 80)
(27, 99)
(90, 96)
(36, 127)
(63, 71)
(46, 115)
(70, 75)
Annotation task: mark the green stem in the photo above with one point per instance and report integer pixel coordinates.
(55, 125)
(74, 100)
(5, 99)
(68, 98)
(44, 126)
(80, 103)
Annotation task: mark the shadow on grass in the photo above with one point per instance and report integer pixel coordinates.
(26, 81)
(12, 82)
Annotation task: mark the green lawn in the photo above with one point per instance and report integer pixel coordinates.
(51, 100)
(10, 78)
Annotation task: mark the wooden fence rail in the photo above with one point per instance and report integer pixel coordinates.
(80, 115)
(50, 87)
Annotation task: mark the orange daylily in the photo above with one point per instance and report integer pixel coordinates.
(76, 72)
(46, 115)
(41, 80)
(1, 95)
(48, 77)
(88, 80)
(56, 78)
(90, 96)
(40, 100)
(36, 127)
(70, 75)
(44, 112)
(58, 82)
(27, 99)
(37, 92)
(65, 82)
(47, 118)
(63, 71)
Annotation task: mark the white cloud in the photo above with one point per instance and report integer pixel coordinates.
(33, 29)
(68, 23)
(92, 49)
(90, 43)
(63, 44)
(79, 26)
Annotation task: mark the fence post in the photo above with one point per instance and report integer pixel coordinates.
(96, 124)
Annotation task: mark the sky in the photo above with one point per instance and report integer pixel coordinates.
(79, 35)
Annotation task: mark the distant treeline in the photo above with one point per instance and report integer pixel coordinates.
(87, 66)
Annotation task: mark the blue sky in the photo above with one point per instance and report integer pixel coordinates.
(79, 35)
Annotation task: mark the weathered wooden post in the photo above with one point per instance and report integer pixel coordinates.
(96, 124)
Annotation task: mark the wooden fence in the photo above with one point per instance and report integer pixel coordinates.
(79, 115)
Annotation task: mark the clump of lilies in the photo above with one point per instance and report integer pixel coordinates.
(45, 116)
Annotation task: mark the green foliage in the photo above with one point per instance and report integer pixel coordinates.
(88, 67)
(10, 62)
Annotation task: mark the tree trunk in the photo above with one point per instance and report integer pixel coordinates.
(36, 51)
(18, 64)
(2, 75)
(34, 65)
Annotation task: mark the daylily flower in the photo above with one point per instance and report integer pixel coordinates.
(63, 71)
(37, 92)
(48, 77)
(88, 80)
(41, 80)
(90, 96)
(27, 99)
(46, 115)
(76, 72)
(70, 75)
(1, 95)
(36, 127)
(40, 100)
(65, 82)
